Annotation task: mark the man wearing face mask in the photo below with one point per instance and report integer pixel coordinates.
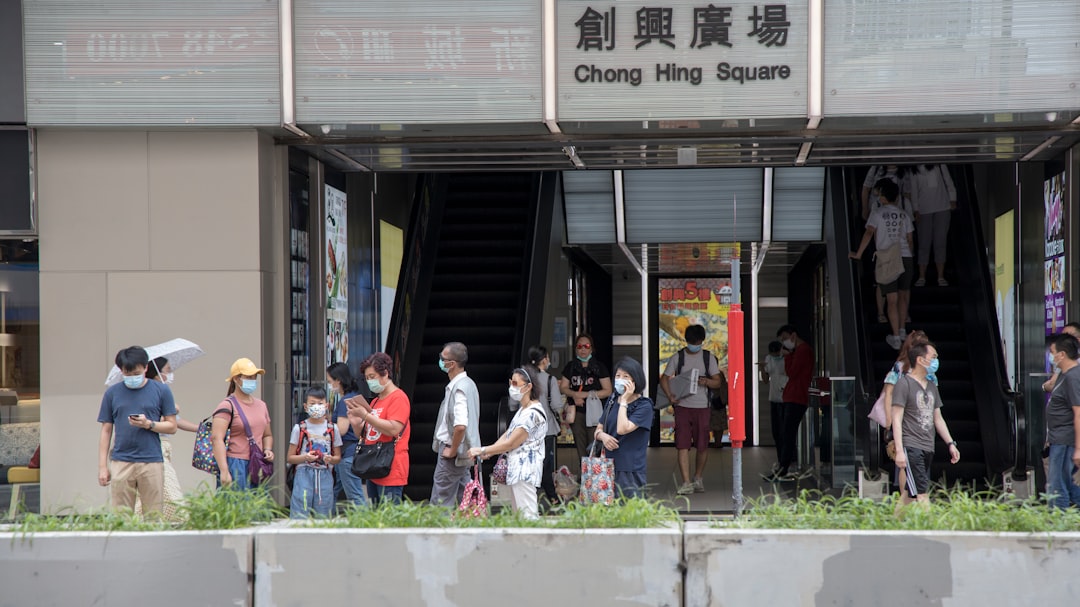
(798, 365)
(692, 413)
(916, 411)
(138, 410)
(1063, 424)
(1073, 329)
(457, 427)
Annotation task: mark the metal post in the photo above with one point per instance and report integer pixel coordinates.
(736, 388)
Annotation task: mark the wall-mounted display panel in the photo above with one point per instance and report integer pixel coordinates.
(152, 62)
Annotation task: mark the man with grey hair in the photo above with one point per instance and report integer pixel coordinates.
(457, 427)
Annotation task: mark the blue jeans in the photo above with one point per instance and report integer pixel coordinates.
(238, 469)
(1059, 478)
(352, 485)
(378, 493)
(312, 493)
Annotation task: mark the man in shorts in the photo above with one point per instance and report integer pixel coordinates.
(888, 225)
(916, 410)
(692, 412)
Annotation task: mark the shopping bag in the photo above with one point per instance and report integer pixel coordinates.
(474, 503)
(566, 484)
(888, 265)
(597, 478)
(593, 409)
(878, 413)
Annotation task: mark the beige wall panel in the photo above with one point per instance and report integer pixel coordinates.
(92, 192)
(75, 360)
(220, 311)
(204, 200)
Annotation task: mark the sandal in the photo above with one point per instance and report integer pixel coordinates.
(920, 282)
(941, 282)
(881, 318)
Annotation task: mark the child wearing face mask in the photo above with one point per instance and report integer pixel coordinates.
(314, 448)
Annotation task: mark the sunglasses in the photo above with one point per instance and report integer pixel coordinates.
(584, 346)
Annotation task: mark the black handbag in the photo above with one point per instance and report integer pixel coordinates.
(374, 460)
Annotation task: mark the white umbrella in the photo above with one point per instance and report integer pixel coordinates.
(179, 352)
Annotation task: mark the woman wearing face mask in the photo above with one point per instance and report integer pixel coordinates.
(552, 407)
(233, 461)
(624, 427)
(523, 442)
(159, 370)
(381, 421)
(341, 382)
(583, 376)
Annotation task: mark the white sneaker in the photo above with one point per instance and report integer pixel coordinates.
(699, 486)
(894, 341)
(685, 489)
(903, 335)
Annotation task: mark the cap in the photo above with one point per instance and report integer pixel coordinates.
(243, 366)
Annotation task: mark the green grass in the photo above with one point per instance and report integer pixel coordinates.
(626, 514)
(957, 509)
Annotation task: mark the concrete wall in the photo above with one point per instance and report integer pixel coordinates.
(770, 567)
(446, 567)
(126, 568)
(147, 236)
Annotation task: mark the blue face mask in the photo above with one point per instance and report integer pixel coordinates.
(693, 348)
(133, 381)
(248, 386)
(934, 364)
(585, 359)
(442, 366)
(375, 386)
(621, 385)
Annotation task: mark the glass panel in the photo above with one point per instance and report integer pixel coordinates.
(845, 432)
(20, 367)
(152, 62)
(950, 56)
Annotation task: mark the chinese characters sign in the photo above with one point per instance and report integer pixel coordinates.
(681, 59)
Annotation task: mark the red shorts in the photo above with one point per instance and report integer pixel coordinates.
(692, 428)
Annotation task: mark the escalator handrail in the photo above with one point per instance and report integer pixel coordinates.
(988, 327)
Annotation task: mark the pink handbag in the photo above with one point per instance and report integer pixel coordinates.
(474, 503)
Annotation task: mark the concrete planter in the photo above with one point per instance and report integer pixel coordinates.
(448, 567)
(131, 568)
(782, 567)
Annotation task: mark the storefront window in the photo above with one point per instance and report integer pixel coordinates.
(20, 371)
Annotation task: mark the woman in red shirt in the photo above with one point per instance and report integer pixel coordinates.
(383, 420)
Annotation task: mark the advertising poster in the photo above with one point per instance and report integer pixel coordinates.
(685, 302)
(391, 252)
(337, 290)
(1054, 204)
(1005, 288)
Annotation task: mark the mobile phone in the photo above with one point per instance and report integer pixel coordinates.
(133, 416)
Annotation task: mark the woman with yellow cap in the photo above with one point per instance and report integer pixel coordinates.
(240, 403)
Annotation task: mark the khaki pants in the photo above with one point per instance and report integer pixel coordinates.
(145, 479)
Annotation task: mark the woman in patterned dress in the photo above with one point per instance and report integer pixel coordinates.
(523, 442)
(159, 370)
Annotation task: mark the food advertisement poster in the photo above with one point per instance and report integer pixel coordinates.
(337, 291)
(685, 302)
(1056, 221)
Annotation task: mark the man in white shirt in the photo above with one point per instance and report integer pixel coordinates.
(457, 428)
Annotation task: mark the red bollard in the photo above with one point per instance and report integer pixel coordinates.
(736, 377)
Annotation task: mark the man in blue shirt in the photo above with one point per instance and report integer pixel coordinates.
(138, 410)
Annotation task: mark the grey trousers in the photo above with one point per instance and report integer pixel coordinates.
(448, 484)
(933, 230)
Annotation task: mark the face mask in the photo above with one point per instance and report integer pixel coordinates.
(375, 386)
(316, 410)
(248, 386)
(694, 349)
(621, 385)
(789, 344)
(584, 359)
(133, 381)
(168, 377)
(932, 368)
(515, 393)
(442, 366)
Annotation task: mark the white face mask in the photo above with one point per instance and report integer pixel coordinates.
(317, 410)
(515, 393)
(168, 377)
(789, 344)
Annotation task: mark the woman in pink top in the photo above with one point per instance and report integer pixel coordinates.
(233, 461)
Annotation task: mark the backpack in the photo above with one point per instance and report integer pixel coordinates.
(290, 476)
(717, 398)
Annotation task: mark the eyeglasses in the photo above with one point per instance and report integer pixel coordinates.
(584, 346)
(447, 360)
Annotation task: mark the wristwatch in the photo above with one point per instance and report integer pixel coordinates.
(952, 443)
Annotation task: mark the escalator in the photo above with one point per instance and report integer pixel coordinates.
(469, 278)
(961, 322)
